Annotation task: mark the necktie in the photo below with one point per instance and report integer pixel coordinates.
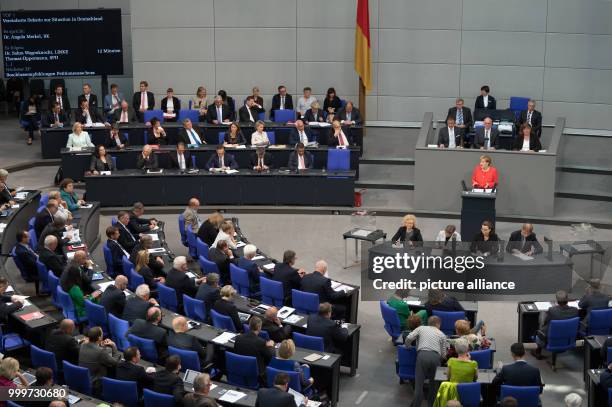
(194, 137)
(181, 162)
(219, 114)
(348, 116)
(301, 164)
(451, 138)
(123, 117)
(303, 137)
(221, 162)
(487, 139)
(56, 117)
(143, 100)
(529, 118)
(459, 116)
(59, 100)
(282, 105)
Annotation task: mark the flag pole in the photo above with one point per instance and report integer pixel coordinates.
(362, 104)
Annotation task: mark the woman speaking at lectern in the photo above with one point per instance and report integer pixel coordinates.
(484, 174)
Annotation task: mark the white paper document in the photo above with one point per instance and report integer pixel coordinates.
(224, 338)
(157, 250)
(103, 286)
(258, 258)
(269, 266)
(232, 396)
(542, 305)
(361, 233)
(240, 244)
(190, 274)
(154, 236)
(522, 256)
(292, 319)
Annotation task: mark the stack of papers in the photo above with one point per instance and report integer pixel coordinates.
(522, 256)
(103, 286)
(240, 244)
(258, 258)
(153, 236)
(224, 338)
(21, 195)
(88, 205)
(292, 319)
(269, 266)
(232, 396)
(337, 286)
(542, 305)
(285, 312)
(361, 232)
(190, 274)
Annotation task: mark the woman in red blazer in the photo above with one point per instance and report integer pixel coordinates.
(484, 174)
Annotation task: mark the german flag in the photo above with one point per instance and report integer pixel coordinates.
(362, 44)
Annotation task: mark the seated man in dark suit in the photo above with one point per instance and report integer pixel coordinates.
(349, 115)
(113, 298)
(130, 370)
(56, 118)
(281, 101)
(180, 281)
(48, 256)
(251, 344)
(484, 100)
(180, 339)
(450, 136)
(273, 325)
(88, 116)
(209, 292)
(487, 137)
(168, 381)
(248, 112)
(288, 275)
(440, 301)
(8, 303)
(150, 329)
(27, 256)
(137, 306)
(45, 217)
(314, 114)
(116, 139)
(462, 116)
(558, 312)
(246, 262)
(126, 239)
(125, 114)
(531, 117)
(147, 160)
(317, 283)
(276, 395)
(190, 135)
(524, 241)
(181, 158)
(321, 324)
(57, 229)
(137, 224)
(593, 298)
(117, 250)
(300, 159)
(218, 112)
(519, 373)
(62, 343)
(300, 134)
(88, 96)
(222, 256)
(261, 160)
(221, 161)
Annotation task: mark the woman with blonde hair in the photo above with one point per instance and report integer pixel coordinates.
(210, 228)
(284, 361)
(79, 138)
(225, 306)
(9, 370)
(142, 268)
(200, 103)
(408, 232)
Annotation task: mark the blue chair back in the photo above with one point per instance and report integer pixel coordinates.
(10, 403)
(194, 309)
(284, 115)
(118, 329)
(240, 280)
(192, 115)
(600, 322)
(44, 200)
(77, 378)
(261, 116)
(154, 399)
(484, 358)
(108, 259)
(33, 239)
(189, 358)
(391, 320)
(469, 394)
(135, 280)
(127, 266)
(526, 396)
(192, 243)
(167, 297)
(40, 357)
(207, 266)
(114, 221)
(406, 362)
(201, 248)
(309, 342)
(271, 137)
(43, 277)
(120, 391)
(272, 292)
(448, 320)
(222, 321)
(146, 346)
(517, 105)
(149, 114)
(67, 305)
(242, 370)
(610, 397)
(562, 334)
(96, 315)
(294, 378)
(305, 303)
(338, 159)
(181, 225)
(127, 137)
(114, 161)
(31, 222)
(53, 284)
(221, 137)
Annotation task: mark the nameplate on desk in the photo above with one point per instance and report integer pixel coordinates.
(159, 171)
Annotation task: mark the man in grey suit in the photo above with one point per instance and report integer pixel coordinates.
(558, 312)
(192, 219)
(98, 355)
(486, 138)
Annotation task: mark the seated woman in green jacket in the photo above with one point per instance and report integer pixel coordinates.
(462, 369)
(396, 301)
(67, 194)
(72, 286)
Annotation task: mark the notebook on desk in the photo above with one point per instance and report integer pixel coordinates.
(313, 357)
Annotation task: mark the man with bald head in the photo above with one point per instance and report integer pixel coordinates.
(179, 339)
(113, 298)
(300, 134)
(192, 219)
(524, 241)
(274, 327)
(125, 115)
(62, 343)
(147, 160)
(318, 283)
(48, 256)
(150, 329)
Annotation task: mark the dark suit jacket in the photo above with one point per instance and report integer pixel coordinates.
(113, 301)
(126, 239)
(249, 344)
(276, 99)
(309, 116)
(294, 136)
(111, 143)
(208, 232)
(490, 246)
(93, 100)
(131, 115)
(448, 304)
(289, 276)
(519, 373)
(183, 137)
(276, 333)
(150, 101)
(149, 164)
(169, 383)
(480, 103)
(135, 308)
(222, 261)
(467, 117)
(355, 115)
(596, 300)
(181, 283)
(7, 307)
(42, 219)
(558, 312)
(53, 261)
(274, 396)
(211, 114)
(117, 253)
(536, 121)
(318, 284)
(293, 160)
(243, 114)
(148, 330)
(64, 346)
(187, 342)
(65, 103)
(96, 164)
(129, 371)
(176, 103)
(534, 143)
(401, 235)
(95, 116)
(444, 139)
(252, 270)
(479, 137)
(209, 295)
(174, 162)
(50, 229)
(228, 308)
(49, 119)
(239, 138)
(215, 162)
(333, 334)
(28, 259)
(530, 241)
(268, 160)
